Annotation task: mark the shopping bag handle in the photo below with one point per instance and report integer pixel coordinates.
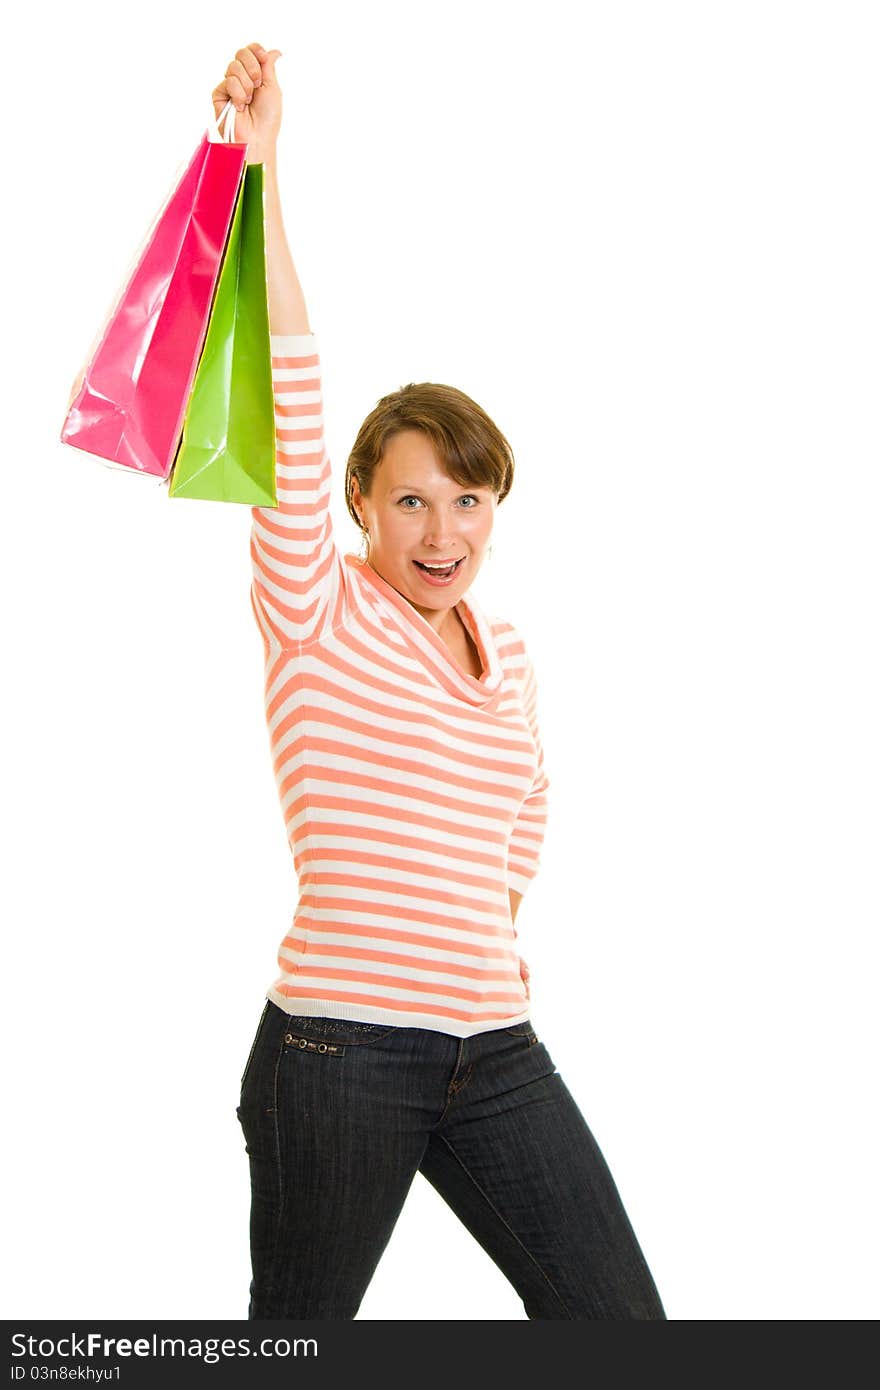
(227, 131)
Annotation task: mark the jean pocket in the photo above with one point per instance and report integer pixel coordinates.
(260, 1027)
(306, 1033)
(523, 1030)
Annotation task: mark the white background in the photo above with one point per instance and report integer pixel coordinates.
(645, 238)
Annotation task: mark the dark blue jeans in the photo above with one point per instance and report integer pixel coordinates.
(338, 1118)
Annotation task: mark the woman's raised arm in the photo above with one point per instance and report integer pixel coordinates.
(251, 83)
(298, 572)
(287, 305)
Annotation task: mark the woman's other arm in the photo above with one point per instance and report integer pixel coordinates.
(527, 835)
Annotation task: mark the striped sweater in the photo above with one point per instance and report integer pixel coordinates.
(413, 793)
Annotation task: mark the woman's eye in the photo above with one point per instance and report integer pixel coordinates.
(411, 497)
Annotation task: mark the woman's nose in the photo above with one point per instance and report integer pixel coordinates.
(439, 533)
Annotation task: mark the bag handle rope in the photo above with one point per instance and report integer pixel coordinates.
(227, 131)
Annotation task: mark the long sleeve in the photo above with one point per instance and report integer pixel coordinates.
(527, 836)
(297, 568)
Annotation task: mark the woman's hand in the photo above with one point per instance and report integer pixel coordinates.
(250, 82)
(525, 975)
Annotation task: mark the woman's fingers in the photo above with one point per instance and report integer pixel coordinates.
(238, 72)
(243, 76)
(237, 93)
(251, 63)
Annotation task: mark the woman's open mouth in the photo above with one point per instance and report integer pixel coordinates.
(439, 574)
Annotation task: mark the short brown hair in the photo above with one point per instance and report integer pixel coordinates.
(470, 445)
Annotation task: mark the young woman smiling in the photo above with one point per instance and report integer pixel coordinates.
(396, 1038)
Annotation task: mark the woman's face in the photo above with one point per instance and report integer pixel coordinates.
(417, 515)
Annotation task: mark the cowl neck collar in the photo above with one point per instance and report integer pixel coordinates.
(434, 651)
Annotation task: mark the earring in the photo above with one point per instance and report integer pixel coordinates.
(365, 544)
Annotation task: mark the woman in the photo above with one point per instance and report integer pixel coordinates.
(402, 721)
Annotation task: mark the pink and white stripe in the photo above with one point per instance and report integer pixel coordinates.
(414, 794)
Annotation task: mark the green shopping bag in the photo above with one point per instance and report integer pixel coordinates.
(227, 446)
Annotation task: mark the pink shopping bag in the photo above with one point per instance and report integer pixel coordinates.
(129, 406)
